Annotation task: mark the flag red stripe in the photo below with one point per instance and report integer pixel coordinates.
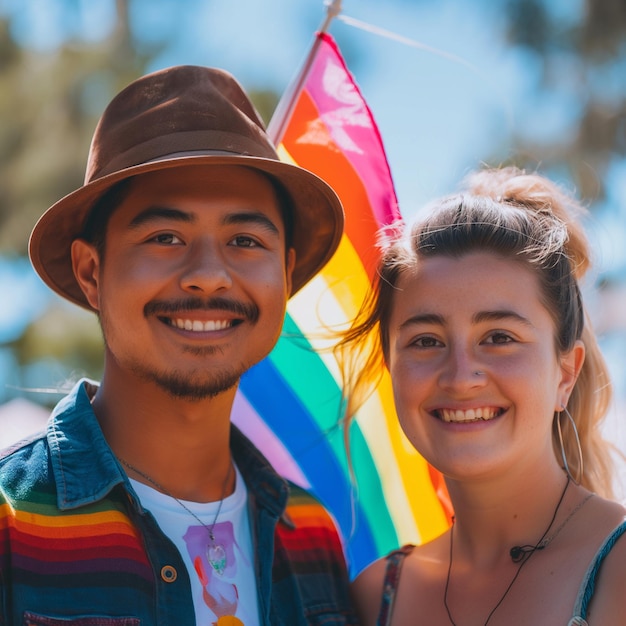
(326, 159)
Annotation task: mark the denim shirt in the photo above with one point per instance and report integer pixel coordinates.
(77, 548)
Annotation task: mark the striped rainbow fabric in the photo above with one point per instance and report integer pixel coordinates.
(290, 403)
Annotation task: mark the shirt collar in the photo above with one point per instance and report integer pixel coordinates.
(86, 469)
(271, 491)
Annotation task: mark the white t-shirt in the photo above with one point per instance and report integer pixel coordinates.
(223, 582)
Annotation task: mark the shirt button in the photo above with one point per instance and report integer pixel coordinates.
(169, 573)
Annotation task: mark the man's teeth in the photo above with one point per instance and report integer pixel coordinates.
(198, 326)
(471, 415)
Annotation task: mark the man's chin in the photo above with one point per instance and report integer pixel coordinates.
(193, 387)
(196, 393)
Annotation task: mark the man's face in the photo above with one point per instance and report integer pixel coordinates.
(193, 286)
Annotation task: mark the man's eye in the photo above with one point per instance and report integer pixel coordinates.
(167, 238)
(243, 241)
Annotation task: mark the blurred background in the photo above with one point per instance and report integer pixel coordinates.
(452, 84)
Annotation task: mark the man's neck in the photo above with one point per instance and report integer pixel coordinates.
(181, 444)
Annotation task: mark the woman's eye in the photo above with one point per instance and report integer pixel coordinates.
(426, 342)
(499, 338)
(167, 238)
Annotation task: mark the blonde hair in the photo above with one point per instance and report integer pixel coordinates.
(524, 217)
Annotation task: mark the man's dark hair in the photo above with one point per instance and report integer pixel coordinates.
(95, 226)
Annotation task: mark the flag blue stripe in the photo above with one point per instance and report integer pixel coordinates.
(281, 409)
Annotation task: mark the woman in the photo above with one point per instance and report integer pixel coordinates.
(499, 384)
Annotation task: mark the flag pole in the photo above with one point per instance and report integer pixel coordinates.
(284, 109)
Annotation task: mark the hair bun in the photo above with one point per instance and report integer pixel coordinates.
(536, 193)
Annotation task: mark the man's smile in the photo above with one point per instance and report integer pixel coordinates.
(199, 325)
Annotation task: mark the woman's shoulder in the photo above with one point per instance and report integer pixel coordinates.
(366, 590)
(375, 572)
(376, 585)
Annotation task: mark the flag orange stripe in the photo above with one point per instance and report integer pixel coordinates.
(307, 147)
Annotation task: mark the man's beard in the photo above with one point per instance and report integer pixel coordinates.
(190, 386)
(194, 385)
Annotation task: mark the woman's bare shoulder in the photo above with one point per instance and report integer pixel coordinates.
(367, 589)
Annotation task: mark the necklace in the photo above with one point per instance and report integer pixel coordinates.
(215, 552)
(520, 554)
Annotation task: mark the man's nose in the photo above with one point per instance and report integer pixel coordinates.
(205, 268)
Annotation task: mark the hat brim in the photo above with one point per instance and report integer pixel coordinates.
(317, 214)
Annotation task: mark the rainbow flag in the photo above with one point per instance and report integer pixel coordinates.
(290, 403)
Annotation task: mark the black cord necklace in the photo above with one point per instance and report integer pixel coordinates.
(519, 554)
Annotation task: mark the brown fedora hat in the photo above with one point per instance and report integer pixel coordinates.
(180, 116)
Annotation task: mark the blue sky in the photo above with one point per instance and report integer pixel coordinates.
(438, 116)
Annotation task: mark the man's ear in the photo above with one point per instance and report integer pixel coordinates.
(571, 364)
(290, 264)
(86, 266)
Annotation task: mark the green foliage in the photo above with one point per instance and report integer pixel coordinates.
(49, 106)
(577, 56)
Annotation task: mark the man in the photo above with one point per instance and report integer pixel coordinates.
(142, 504)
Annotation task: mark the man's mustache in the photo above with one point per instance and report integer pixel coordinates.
(249, 312)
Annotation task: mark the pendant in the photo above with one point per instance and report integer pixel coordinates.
(217, 558)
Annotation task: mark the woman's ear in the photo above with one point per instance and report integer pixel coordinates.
(571, 364)
(86, 266)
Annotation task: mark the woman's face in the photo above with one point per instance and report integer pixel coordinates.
(473, 363)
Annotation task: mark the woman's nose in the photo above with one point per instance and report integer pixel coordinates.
(462, 370)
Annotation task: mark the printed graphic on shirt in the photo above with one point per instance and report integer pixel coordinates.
(221, 572)
(215, 563)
